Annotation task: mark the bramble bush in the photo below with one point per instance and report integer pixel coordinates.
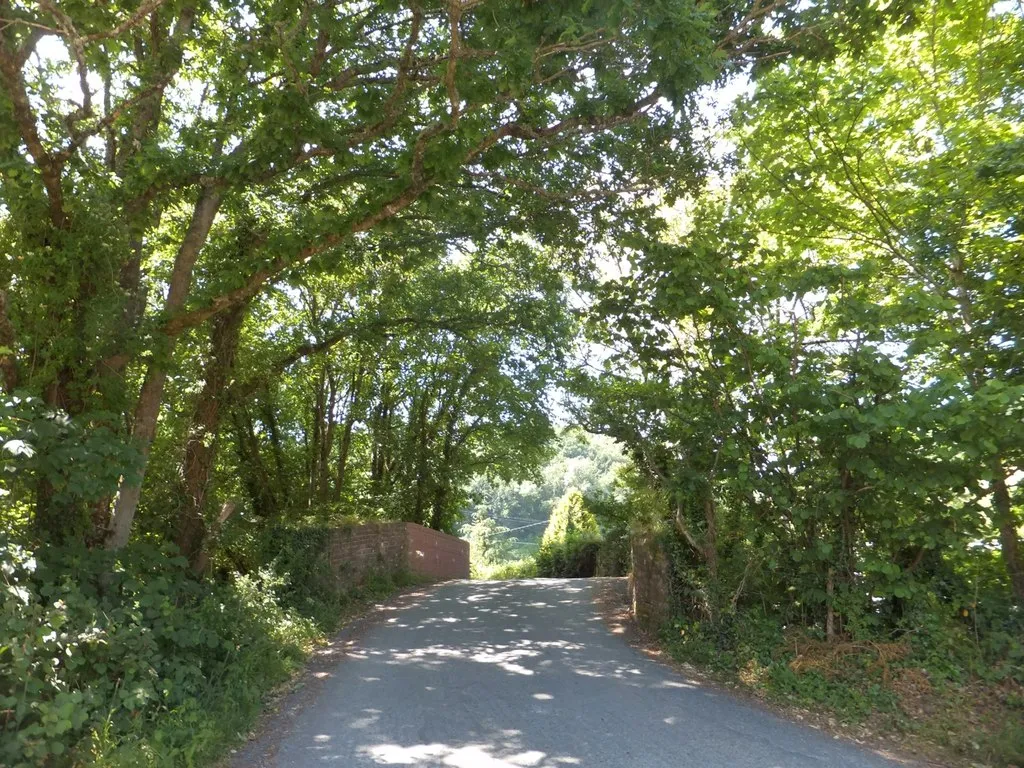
(297, 551)
(123, 659)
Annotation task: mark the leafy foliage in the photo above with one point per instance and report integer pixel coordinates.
(809, 391)
(124, 660)
(168, 166)
(264, 266)
(574, 557)
(569, 519)
(129, 647)
(574, 462)
(80, 466)
(818, 374)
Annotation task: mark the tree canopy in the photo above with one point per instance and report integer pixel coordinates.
(171, 164)
(268, 265)
(822, 375)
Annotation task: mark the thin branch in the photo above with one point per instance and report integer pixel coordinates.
(145, 9)
(255, 282)
(418, 184)
(455, 9)
(27, 122)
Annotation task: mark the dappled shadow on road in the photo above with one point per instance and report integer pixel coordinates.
(558, 629)
(520, 674)
(483, 674)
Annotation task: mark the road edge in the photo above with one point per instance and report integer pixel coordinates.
(611, 600)
(284, 706)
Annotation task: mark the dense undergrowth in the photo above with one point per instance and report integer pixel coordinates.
(584, 537)
(572, 558)
(951, 679)
(123, 659)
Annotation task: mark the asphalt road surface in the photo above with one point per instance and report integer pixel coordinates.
(525, 673)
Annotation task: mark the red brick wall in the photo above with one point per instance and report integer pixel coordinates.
(356, 551)
(436, 555)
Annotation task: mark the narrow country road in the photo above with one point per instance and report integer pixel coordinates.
(526, 673)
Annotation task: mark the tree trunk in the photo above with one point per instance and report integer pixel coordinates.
(830, 615)
(315, 439)
(57, 522)
(420, 448)
(346, 434)
(282, 489)
(448, 447)
(202, 442)
(8, 364)
(711, 539)
(1006, 520)
(147, 409)
(1009, 539)
(327, 444)
(254, 474)
(381, 462)
(202, 560)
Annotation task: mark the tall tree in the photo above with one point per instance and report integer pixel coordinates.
(135, 132)
(899, 165)
(823, 375)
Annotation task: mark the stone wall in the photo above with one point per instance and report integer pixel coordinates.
(359, 550)
(649, 581)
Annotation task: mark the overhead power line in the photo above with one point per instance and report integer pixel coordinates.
(510, 530)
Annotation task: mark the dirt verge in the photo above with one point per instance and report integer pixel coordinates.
(612, 600)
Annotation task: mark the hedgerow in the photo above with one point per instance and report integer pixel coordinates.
(124, 659)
